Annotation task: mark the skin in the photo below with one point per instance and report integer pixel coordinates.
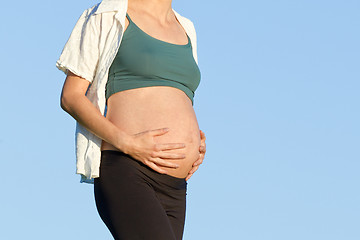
(168, 151)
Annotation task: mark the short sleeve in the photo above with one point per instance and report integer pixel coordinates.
(195, 43)
(81, 52)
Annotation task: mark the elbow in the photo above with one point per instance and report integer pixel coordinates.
(73, 93)
(65, 103)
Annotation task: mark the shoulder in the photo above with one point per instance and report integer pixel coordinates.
(90, 12)
(186, 22)
(95, 19)
(104, 9)
(183, 18)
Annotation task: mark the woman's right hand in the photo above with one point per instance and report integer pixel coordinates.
(143, 148)
(140, 146)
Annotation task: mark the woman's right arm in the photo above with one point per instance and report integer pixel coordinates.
(141, 146)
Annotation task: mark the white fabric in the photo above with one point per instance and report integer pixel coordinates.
(89, 53)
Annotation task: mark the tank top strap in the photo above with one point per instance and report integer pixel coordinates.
(127, 15)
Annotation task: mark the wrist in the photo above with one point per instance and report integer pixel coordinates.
(123, 141)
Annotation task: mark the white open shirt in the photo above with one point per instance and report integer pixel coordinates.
(89, 53)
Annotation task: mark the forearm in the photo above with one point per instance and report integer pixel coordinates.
(86, 114)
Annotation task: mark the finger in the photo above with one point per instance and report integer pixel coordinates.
(202, 149)
(169, 146)
(167, 155)
(164, 163)
(194, 169)
(202, 135)
(155, 167)
(158, 132)
(188, 177)
(198, 162)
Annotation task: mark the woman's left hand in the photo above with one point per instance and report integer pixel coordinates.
(202, 150)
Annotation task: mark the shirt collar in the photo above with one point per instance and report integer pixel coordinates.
(111, 6)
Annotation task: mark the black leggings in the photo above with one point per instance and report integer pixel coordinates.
(136, 202)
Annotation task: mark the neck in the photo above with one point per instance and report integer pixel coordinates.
(161, 9)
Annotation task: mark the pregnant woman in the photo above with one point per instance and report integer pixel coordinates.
(131, 76)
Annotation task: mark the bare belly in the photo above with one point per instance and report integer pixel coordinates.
(142, 109)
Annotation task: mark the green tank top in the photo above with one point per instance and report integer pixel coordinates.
(144, 61)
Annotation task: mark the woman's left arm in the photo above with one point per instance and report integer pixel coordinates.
(202, 150)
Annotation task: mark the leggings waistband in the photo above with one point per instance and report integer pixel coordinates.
(113, 156)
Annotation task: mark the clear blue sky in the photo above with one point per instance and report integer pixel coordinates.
(278, 101)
